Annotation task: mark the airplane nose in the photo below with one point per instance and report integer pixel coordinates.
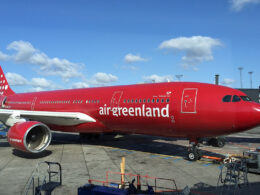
(257, 113)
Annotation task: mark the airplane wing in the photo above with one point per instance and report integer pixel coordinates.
(55, 118)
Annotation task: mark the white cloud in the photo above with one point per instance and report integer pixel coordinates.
(80, 85)
(238, 5)
(16, 79)
(41, 82)
(196, 48)
(36, 89)
(157, 79)
(227, 81)
(38, 84)
(130, 58)
(26, 53)
(3, 56)
(25, 50)
(101, 78)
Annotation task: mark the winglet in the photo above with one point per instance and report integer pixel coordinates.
(5, 89)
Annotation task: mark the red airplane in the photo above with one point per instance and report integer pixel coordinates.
(175, 109)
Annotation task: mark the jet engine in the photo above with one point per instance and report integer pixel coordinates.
(29, 136)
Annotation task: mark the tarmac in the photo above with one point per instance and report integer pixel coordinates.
(145, 155)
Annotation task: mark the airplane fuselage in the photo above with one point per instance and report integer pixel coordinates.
(176, 109)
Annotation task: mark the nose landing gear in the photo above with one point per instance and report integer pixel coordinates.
(193, 151)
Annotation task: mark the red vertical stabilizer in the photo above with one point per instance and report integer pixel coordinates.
(5, 89)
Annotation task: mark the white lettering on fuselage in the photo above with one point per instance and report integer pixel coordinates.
(142, 111)
(15, 140)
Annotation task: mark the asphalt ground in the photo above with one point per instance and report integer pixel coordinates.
(145, 155)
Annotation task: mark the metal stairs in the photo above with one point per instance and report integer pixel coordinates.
(45, 178)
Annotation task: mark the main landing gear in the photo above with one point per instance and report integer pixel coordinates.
(214, 141)
(193, 151)
(217, 142)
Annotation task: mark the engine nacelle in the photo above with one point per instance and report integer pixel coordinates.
(29, 136)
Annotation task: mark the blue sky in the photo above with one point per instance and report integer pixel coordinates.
(46, 45)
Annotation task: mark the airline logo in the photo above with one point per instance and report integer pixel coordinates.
(142, 111)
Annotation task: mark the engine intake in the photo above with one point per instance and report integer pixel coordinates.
(29, 136)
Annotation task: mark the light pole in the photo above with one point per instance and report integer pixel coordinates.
(240, 69)
(251, 83)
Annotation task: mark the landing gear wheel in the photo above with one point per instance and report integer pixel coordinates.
(199, 155)
(220, 142)
(193, 154)
(217, 142)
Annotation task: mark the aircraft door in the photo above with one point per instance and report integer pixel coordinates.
(188, 100)
(116, 99)
(33, 103)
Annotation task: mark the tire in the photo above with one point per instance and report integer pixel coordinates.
(199, 154)
(193, 154)
(220, 142)
(211, 141)
(217, 142)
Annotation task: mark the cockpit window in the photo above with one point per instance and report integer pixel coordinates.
(246, 98)
(227, 98)
(236, 98)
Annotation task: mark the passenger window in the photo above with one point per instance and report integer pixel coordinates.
(167, 100)
(144, 101)
(157, 101)
(152, 100)
(227, 98)
(136, 100)
(162, 100)
(140, 100)
(128, 101)
(236, 98)
(132, 101)
(148, 100)
(124, 101)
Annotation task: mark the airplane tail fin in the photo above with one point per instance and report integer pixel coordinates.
(5, 89)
